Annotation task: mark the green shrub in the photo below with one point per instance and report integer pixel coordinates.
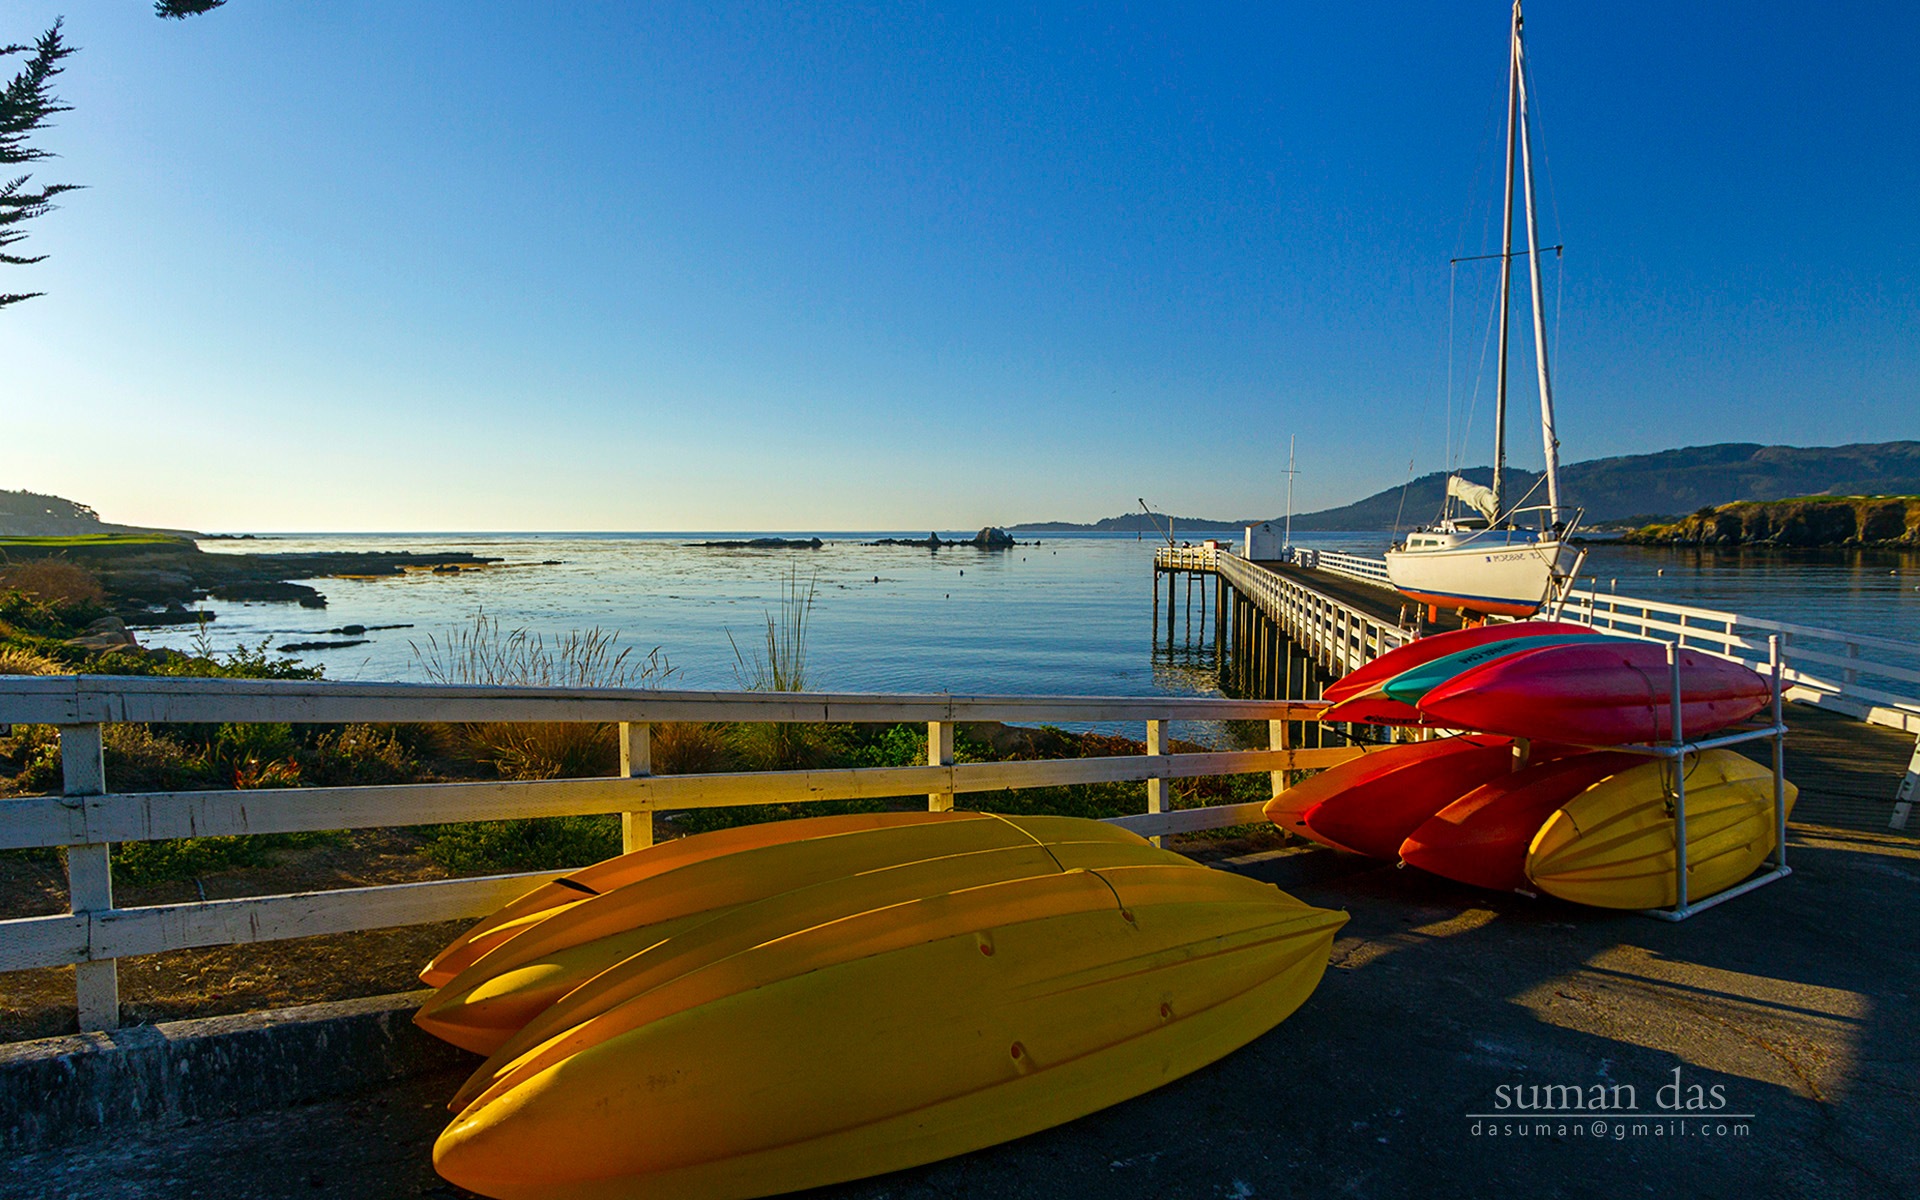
(539, 844)
(192, 858)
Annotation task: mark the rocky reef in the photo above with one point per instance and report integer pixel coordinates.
(1807, 521)
(762, 543)
(990, 538)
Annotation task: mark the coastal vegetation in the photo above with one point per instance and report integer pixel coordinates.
(1802, 521)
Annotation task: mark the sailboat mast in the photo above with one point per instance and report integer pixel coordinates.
(1290, 440)
(1539, 307)
(1506, 276)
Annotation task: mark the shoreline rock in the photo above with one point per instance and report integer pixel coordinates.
(1890, 522)
(272, 593)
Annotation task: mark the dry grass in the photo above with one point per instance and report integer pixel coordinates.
(485, 655)
(53, 580)
(689, 748)
(18, 660)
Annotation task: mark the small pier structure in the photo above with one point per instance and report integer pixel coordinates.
(1283, 629)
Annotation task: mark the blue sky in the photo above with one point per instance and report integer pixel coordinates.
(610, 266)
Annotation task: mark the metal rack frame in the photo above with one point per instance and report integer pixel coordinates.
(1677, 748)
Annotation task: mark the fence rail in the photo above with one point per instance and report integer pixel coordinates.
(89, 817)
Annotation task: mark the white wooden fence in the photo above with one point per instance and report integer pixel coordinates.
(89, 817)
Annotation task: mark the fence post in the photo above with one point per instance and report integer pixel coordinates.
(1280, 737)
(1157, 788)
(636, 761)
(96, 985)
(940, 754)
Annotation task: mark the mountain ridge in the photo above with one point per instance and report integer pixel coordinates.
(1637, 487)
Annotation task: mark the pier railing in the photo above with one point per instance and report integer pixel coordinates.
(1873, 678)
(1869, 677)
(1186, 558)
(1339, 636)
(1369, 570)
(90, 816)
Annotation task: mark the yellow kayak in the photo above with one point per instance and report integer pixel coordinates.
(619, 871)
(1612, 846)
(890, 1037)
(552, 951)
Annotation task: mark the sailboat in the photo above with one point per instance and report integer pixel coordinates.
(1487, 555)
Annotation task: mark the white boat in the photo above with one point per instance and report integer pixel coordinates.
(1502, 559)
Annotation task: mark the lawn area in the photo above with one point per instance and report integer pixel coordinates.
(83, 541)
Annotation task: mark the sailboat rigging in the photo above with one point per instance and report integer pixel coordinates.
(1490, 563)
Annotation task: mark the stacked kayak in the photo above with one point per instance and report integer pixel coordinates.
(1548, 680)
(764, 1010)
(1529, 797)
(1370, 804)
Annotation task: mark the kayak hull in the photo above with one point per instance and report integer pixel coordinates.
(1481, 839)
(1375, 817)
(1370, 676)
(896, 1037)
(632, 867)
(1594, 694)
(483, 1006)
(1613, 846)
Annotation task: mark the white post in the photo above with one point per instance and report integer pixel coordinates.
(1779, 756)
(1679, 784)
(96, 984)
(636, 761)
(1280, 737)
(1157, 788)
(1909, 790)
(940, 754)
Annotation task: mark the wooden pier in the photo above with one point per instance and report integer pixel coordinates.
(1283, 630)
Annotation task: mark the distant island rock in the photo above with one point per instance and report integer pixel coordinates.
(763, 543)
(1802, 521)
(991, 538)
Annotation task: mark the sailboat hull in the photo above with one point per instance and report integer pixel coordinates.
(1511, 580)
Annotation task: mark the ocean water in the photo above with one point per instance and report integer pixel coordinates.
(1058, 614)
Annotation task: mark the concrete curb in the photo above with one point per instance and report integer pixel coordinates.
(59, 1089)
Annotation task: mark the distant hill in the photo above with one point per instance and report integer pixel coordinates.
(1632, 489)
(1667, 483)
(30, 514)
(1135, 523)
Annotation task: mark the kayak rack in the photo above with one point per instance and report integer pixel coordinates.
(1676, 750)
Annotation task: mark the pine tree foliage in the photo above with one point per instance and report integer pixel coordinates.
(180, 10)
(25, 104)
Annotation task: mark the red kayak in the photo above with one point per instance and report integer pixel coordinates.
(1482, 838)
(1291, 805)
(1374, 708)
(1374, 817)
(1598, 694)
(1375, 674)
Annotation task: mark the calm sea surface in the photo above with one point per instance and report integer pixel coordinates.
(1061, 614)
